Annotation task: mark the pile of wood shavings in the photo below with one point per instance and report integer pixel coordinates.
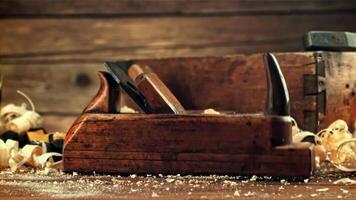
(335, 147)
(18, 118)
(16, 123)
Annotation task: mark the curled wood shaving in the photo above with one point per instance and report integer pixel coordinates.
(295, 128)
(300, 136)
(334, 144)
(10, 112)
(25, 122)
(46, 160)
(345, 181)
(28, 99)
(346, 156)
(211, 111)
(18, 118)
(339, 145)
(31, 155)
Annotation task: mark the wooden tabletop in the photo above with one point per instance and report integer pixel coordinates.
(58, 185)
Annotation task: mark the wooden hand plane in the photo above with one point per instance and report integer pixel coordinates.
(103, 140)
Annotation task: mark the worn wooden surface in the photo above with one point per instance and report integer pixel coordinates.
(107, 96)
(169, 144)
(340, 72)
(158, 95)
(154, 7)
(94, 40)
(27, 185)
(195, 133)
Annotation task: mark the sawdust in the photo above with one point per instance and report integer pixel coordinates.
(73, 185)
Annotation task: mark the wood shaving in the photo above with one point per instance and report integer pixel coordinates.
(346, 156)
(126, 109)
(301, 135)
(4, 155)
(283, 181)
(253, 178)
(333, 144)
(322, 190)
(314, 195)
(249, 194)
(236, 193)
(210, 111)
(170, 180)
(18, 118)
(154, 194)
(31, 155)
(344, 191)
(25, 122)
(295, 128)
(345, 181)
(229, 183)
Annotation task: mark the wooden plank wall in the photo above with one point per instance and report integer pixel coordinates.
(52, 49)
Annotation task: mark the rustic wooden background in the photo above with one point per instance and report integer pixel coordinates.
(51, 50)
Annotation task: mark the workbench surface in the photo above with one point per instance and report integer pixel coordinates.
(37, 185)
